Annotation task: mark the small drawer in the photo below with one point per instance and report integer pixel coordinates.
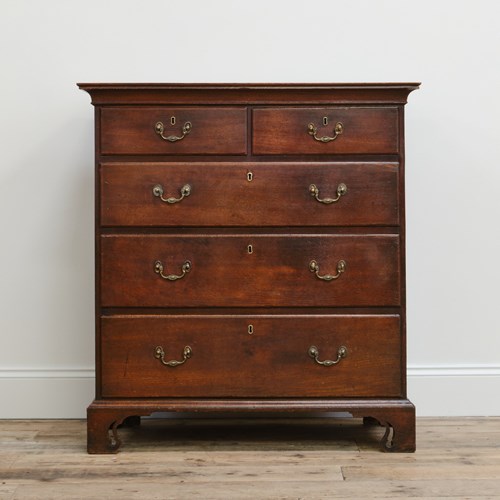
(173, 131)
(251, 356)
(249, 194)
(333, 130)
(249, 270)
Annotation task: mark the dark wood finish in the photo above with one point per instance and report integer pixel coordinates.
(277, 195)
(132, 421)
(273, 361)
(248, 93)
(214, 130)
(396, 415)
(258, 128)
(224, 274)
(365, 130)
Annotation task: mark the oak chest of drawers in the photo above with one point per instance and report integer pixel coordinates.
(250, 253)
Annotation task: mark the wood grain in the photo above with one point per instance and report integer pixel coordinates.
(250, 244)
(250, 93)
(214, 130)
(224, 274)
(284, 130)
(221, 195)
(273, 361)
(312, 458)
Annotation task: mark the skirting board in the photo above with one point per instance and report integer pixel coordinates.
(29, 393)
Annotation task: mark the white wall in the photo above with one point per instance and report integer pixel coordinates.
(46, 169)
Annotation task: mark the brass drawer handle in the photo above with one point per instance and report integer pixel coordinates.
(314, 268)
(160, 128)
(314, 353)
(160, 354)
(313, 130)
(158, 192)
(186, 267)
(341, 191)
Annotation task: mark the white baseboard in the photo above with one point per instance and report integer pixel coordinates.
(46, 392)
(439, 391)
(66, 392)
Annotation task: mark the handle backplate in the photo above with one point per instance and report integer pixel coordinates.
(160, 128)
(341, 191)
(312, 130)
(187, 352)
(314, 268)
(314, 353)
(186, 267)
(158, 192)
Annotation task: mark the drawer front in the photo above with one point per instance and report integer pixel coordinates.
(223, 360)
(363, 130)
(249, 270)
(210, 130)
(249, 194)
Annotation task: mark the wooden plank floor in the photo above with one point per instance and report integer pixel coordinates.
(244, 459)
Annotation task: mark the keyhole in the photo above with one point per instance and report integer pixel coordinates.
(172, 120)
(250, 249)
(249, 176)
(325, 120)
(250, 329)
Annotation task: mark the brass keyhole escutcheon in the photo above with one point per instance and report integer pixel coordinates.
(250, 329)
(172, 120)
(250, 249)
(249, 176)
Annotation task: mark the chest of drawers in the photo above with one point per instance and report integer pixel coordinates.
(250, 253)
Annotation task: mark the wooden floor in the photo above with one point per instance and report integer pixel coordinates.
(263, 459)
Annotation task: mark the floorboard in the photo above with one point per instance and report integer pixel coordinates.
(312, 458)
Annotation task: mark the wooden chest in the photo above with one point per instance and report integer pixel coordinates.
(250, 253)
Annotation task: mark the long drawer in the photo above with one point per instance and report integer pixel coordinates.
(186, 270)
(334, 130)
(173, 131)
(250, 356)
(249, 194)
